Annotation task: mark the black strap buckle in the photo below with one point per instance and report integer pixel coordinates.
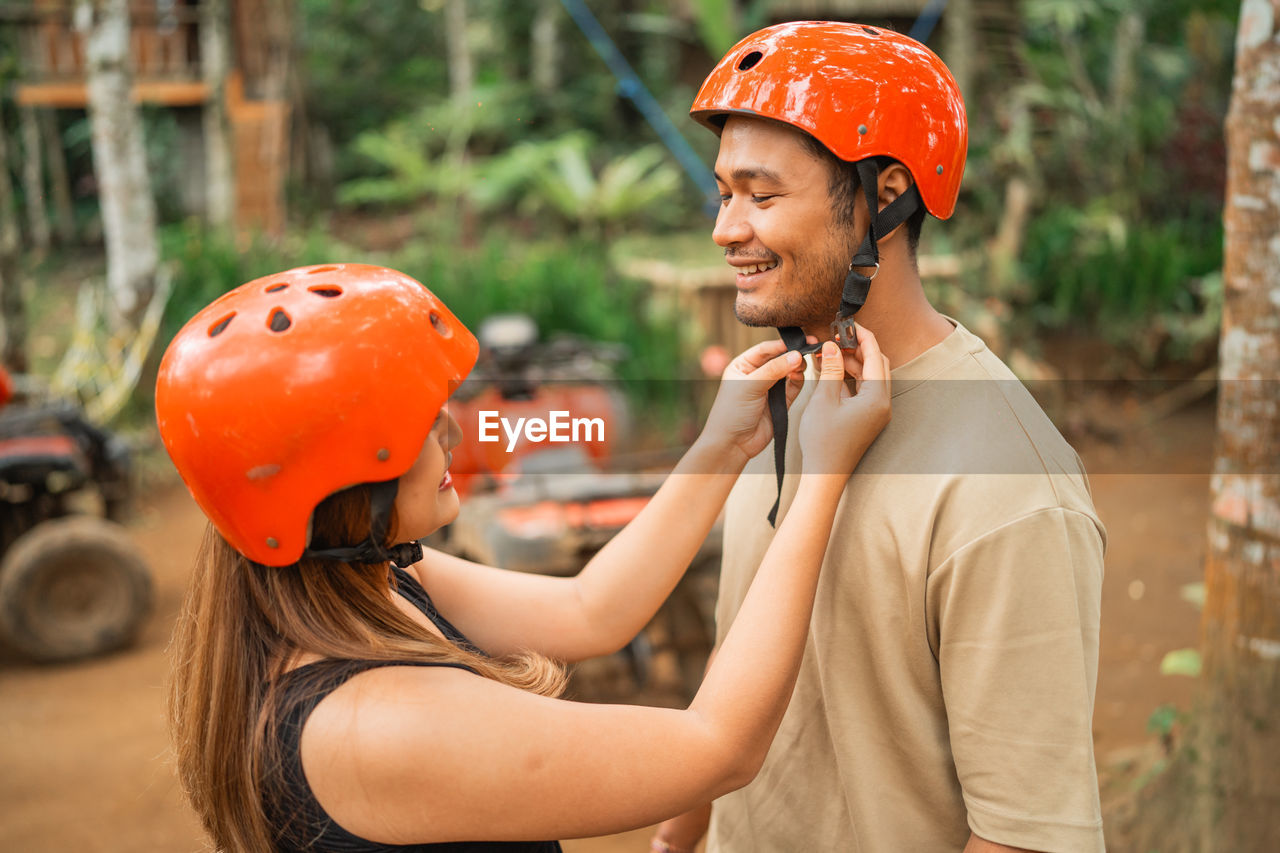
(406, 554)
(844, 332)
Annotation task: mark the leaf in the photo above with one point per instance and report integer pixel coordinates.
(716, 25)
(1181, 662)
(1162, 719)
(1193, 593)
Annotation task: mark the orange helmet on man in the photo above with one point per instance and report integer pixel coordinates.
(863, 92)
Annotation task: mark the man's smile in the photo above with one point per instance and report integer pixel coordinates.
(751, 272)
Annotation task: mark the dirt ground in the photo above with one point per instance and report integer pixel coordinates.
(84, 761)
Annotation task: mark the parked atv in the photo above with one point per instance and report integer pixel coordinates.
(548, 507)
(72, 583)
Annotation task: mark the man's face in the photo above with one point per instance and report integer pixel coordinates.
(776, 226)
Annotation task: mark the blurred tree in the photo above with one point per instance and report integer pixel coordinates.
(12, 304)
(64, 219)
(33, 181)
(119, 157)
(458, 42)
(1240, 731)
(544, 46)
(1218, 792)
(215, 62)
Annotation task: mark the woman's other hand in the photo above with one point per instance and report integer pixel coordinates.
(739, 417)
(839, 424)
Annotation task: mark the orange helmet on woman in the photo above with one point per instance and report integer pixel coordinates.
(297, 385)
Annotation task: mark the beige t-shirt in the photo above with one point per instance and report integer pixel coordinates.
(948, 677)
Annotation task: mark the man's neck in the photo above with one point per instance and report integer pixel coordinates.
(900, 316)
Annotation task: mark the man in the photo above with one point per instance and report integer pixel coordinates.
(946, 696)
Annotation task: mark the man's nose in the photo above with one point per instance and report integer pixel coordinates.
(732, 227)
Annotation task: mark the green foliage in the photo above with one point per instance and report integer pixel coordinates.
(721, 23)
(365, 62)
(207, 264)
(564, 286)
(558, 176)
(717, 26)
(426, 159)
(1116, 86)
(1162, 720)
(1181, 662)
(1094, 269)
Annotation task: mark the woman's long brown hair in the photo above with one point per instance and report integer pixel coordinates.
(240, 626)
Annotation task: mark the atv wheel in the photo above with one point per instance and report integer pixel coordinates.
(71, 588)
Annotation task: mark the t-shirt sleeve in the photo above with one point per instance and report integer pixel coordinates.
(1014, 621)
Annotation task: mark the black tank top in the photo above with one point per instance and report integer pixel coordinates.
(299, 821)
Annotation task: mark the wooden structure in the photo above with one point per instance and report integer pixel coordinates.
(167, 71)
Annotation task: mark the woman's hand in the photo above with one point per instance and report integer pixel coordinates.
(839, 425)
(739, 417)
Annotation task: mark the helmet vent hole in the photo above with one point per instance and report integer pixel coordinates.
(279, 320)
(328, 291)
(329, 268)
(870, 31)
(442, 328)
(276, 288)
(750, 60)
(221, 326)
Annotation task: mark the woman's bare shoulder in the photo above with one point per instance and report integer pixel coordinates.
(410, 754)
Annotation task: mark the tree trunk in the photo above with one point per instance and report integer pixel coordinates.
(461, 74)
(280, 30)
(545, 46)
(13, 310)
(1240, 729)
(960, 43)
(128, 209)
(215, 61)
(64, 215)
(33, 181)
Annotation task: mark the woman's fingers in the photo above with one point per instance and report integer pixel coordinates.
(776, 368)
(751, 359)
(831, 379)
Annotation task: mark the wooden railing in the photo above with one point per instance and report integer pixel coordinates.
(164, 51)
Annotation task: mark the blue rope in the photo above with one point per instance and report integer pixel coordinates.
(923, 27)
(630, 87)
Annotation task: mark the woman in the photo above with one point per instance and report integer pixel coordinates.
(323, 701)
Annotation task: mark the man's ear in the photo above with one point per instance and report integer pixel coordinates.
(894, 180)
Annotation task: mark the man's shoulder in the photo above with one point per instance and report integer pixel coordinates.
(973, 415)
(968, 450)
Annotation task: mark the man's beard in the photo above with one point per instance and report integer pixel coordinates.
(811, 297)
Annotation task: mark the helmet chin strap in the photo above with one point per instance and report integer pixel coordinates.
(381, 498)
(852, 298)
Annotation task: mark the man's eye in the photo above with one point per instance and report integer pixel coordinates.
(760, 198)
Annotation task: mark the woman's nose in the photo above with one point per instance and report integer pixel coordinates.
(452, 434)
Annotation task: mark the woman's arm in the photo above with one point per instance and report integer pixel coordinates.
(618, 591)
(404, 755)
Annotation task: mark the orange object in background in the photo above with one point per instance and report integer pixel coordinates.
(6, 386)
(474, 459)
